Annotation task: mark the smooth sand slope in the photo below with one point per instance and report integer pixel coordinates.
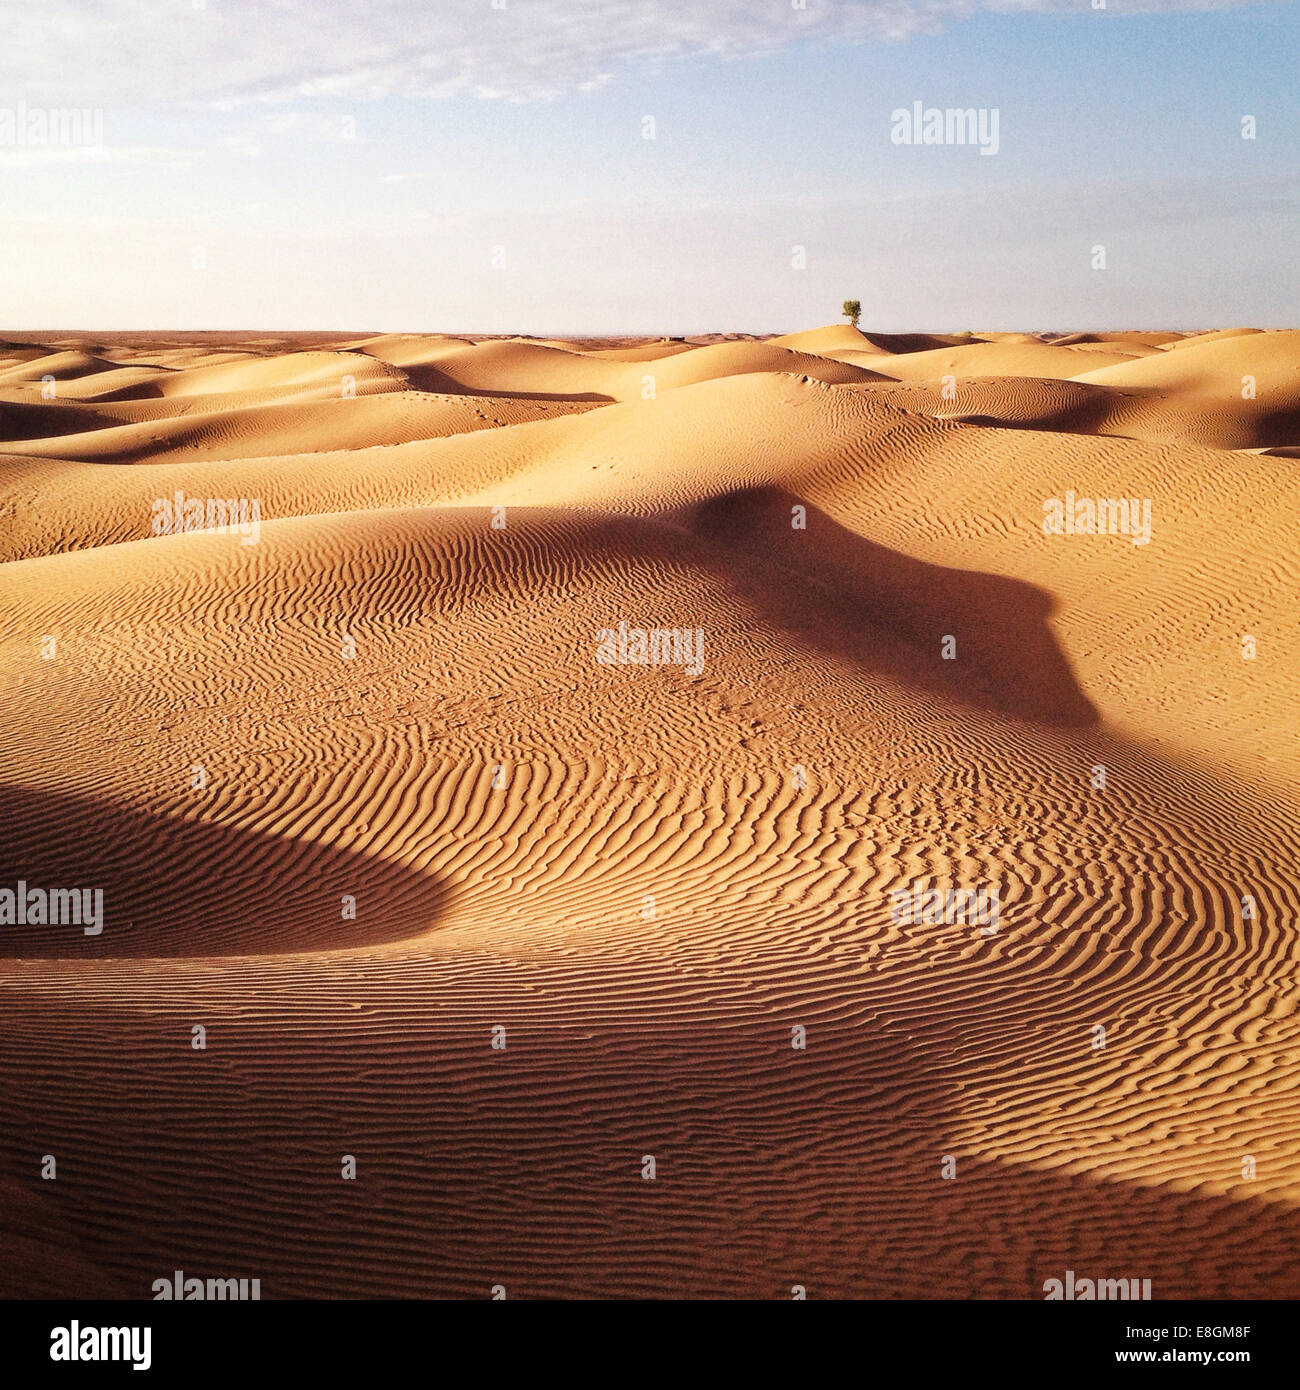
(358, 792)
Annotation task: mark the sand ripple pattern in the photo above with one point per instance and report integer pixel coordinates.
(360, 794)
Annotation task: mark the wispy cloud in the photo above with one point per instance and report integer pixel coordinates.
(137, 52)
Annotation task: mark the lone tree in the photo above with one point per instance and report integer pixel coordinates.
(852, 311)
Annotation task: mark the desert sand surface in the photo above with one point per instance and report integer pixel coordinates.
(360, 795)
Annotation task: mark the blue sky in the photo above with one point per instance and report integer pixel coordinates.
(455, 168)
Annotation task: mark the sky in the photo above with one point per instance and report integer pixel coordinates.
(553, 167)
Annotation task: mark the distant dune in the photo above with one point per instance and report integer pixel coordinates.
(367, 770)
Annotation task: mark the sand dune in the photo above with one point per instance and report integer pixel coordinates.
(1120, 339)
(1218, 335)
(1213, 367)
(359, 791)
(842, 337)
(529, 369)
(262, 431)
(53, 366)
(1084, 406)
(977, 359)
(1237, 391)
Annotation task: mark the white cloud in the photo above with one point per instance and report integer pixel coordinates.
(138, 52)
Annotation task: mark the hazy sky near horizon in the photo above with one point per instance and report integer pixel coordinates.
(465, 165)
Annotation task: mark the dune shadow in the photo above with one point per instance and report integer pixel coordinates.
(840, 592)
(21, 422)
(841, 595)
(1111, 413)
(429, 378)
(142, 391)
(174, 887)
